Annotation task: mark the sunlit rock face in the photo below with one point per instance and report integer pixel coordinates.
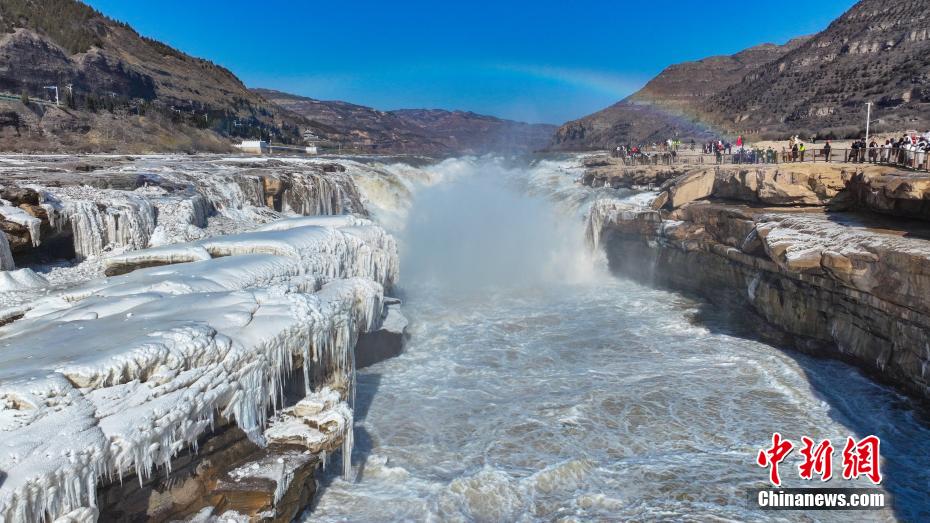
(838, 283)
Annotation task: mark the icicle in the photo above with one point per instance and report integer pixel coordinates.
(6, 255)
(348, 442)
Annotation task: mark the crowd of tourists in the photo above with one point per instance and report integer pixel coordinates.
(911, 149)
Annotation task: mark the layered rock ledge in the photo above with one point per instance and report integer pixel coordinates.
(800, 251)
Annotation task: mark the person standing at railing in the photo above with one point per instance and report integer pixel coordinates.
(827, 148)
(857, 152)
(873, 152)
(802, 149)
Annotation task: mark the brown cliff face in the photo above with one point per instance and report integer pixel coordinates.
(412, 131)
(875, 52)
(125, 86)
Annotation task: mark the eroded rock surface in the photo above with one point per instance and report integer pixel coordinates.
(878, 188)
(826, 283)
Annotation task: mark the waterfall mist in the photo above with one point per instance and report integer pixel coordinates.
(482, 230)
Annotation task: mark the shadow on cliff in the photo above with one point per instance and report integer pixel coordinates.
(858, 403)
(881, 223)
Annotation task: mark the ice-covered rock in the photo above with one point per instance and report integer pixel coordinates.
(22, 279)
(131, 204)
(319, 422)
(121, 374)
(21, 217)
(167, 255)
(343, 220)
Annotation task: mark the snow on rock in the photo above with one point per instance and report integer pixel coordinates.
(21, 217)
(603, 212)
(22, 279)
(343, 220)
(317, 422)
(121, 374)
(179, 219)
(79, 515)
(366, 251)
(167, 255)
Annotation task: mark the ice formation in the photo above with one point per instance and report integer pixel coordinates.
(318, 422)
(603, 212)
(121, 374)
(21, 217)
(101, 219)
(157, 201)
(6, 256)
(17, 280)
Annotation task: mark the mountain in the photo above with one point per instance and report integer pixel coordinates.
(875, 52)
(671, 104)
(120, 91)
(117, 89)
(418, 131)
(878, 51)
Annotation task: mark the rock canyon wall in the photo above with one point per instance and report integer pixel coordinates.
(826, 259)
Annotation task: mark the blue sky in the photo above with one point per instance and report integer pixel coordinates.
(541, 61)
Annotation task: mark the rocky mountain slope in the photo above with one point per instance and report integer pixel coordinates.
(673, 103)
(874, 52)
(117, 89)
(419, 131)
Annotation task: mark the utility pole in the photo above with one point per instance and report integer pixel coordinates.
(55, 87)
(868, 121)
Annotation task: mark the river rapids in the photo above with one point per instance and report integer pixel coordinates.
(537, 386)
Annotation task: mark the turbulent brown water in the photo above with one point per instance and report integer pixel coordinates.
(536, 386)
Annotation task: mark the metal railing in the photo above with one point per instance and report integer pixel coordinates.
(900, 157)
(17, 97)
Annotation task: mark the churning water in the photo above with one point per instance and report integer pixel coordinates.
(536, 386)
